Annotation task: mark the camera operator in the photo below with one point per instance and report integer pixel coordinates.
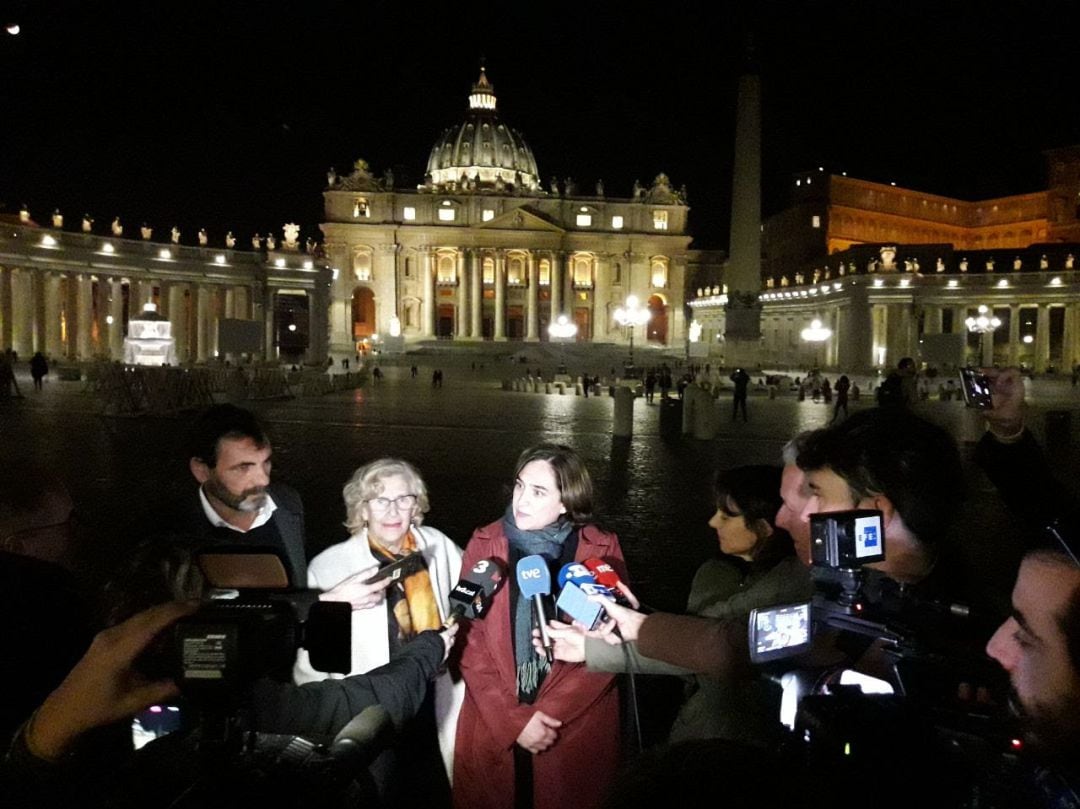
(47, 762)
(1039, 647)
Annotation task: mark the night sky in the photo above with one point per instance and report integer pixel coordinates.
(227, 115)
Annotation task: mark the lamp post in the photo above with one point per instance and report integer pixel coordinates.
(816, 334)
(984, 324)
(562, 331)
(631, 315)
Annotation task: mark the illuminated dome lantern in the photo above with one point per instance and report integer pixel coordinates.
(481, 153)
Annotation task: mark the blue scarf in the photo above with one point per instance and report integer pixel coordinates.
(548, 543)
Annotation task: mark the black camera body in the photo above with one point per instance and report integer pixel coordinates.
(249, 625)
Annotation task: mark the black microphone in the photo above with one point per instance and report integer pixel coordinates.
(534, 581)
(472, 595)
(365, 736)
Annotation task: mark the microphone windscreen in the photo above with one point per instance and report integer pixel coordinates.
(533, 576)
(575, 572)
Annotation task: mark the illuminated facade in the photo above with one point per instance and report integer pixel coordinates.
(482, 252)
(895, 272)
(72, 294)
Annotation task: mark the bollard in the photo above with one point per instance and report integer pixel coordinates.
(623, 421)
(577, 388)
(547, 387)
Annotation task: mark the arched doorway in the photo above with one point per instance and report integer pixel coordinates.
(363, 313)
(657, 329)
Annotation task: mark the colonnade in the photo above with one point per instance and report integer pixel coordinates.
(81, 316)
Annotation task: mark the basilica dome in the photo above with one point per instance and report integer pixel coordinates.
(481, 153)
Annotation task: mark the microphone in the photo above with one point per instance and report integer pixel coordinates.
(578, 574)
(605, 575)
(365, 736)
(472, 595)
(534, 581)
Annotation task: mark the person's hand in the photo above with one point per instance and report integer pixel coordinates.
(1006, 417)
(104, 687)
(628, 621)
(449, 634)
(354, 590)
(628, 593)
(568, 641)
(540, 733)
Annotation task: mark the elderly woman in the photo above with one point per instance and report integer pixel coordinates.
(534, 734)
(385, 502)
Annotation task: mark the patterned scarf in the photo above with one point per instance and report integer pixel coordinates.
(415, 608)
(548, 543)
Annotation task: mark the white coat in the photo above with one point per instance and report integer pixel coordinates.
(370, 640)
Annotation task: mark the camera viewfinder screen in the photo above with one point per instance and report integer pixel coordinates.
(779, 632)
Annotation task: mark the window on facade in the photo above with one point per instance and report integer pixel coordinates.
(447, 214)
(815, 221)
(488, 268)
(408, 267)
(446, 270)
(487, 215)
(545, 273)
(616, 223)
(409, 214)
(659, 272)
(616, 274)
(515, 271)
(360, 208)
(583, 276)
(584, 220)
(362, 264)
(659, 220)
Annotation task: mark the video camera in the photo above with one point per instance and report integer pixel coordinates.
(249, 625)
(835, 709)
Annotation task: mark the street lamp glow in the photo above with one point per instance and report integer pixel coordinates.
(815, 332)
(632, 315)
(562, 328)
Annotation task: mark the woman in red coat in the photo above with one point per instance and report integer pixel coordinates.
(533, 734)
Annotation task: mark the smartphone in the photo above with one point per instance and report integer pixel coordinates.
(400, 569)
(976, 389)
(575, 602)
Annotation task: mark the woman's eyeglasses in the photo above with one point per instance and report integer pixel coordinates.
(380, 505)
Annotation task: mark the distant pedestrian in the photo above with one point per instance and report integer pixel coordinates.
(414, 371)
(843, 385)
(665, 382)
(741, 380)
(650, 386)
(436, 378)
(39, 369)
(826, 391)
(585, 384)
(376, 374)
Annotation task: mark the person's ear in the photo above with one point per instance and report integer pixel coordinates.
(199, 469)
(761, 528)
(885, 506)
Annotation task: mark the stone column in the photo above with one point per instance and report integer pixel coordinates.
(477, 290)
(500, 295)
(178, 319)
(932, 319)
(116, 309)
(270, 349)
(230, 303)
(242, 307)
(22, 310)
(1014, 335)
(71, 316)
(427, 312)
(556, 285)
(5, 308)
(202, 323)
(532, 316)
(85, 315)
(53, 345)
(318, 324)
(1042, 339)
(37, 290)
(1068, 338)
(461, 321)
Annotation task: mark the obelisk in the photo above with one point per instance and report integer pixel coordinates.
(742, 276)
